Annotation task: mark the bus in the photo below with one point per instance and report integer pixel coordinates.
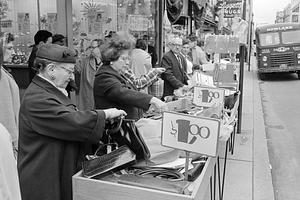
(278, 48)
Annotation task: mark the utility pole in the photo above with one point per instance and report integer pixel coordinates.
(241, 79)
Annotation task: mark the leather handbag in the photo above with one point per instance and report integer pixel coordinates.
(126, 133)
(117, 159)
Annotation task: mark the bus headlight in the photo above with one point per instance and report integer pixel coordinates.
(265, 58)
(298, 55)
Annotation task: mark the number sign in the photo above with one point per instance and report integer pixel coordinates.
(207, 97)
(190, 133)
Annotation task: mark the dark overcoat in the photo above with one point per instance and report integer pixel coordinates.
(113, 90)
(52, 142)
(175, 75)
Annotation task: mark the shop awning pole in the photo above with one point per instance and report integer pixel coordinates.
(241, 78)
(39, 14)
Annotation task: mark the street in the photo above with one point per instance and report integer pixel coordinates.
(281, 105)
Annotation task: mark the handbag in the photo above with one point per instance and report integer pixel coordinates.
(118, 158)
(126, 133)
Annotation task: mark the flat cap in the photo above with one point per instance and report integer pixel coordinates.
(56, 53)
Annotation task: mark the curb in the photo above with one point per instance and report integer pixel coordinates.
(262, 178)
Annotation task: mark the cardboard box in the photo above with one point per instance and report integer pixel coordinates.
(91, 189)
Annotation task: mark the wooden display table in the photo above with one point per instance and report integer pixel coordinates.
(92, 189)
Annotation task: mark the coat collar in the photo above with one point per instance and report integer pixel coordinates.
(50, 88)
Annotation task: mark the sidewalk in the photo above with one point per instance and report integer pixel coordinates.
(248, 175)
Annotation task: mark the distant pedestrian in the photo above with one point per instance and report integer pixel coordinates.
(41, 37)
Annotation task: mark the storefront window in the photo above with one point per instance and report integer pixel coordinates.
(19, 23)
(95, 19)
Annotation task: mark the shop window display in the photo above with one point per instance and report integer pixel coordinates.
(20, 20)
(95, 19)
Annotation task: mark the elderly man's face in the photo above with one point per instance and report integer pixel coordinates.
(64, 73)
(175, 47)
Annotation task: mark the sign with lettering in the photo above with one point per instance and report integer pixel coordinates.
(207, 97)
(190, 133)
(138, 22)
(232, 8)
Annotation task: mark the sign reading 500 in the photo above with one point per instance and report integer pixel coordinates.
(190, 133)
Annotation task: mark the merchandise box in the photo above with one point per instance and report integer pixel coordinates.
(106, 188)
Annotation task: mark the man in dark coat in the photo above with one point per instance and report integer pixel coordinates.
(54, 135)
(175, 65)
(41, 37)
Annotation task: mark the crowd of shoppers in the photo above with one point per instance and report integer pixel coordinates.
(52, 133)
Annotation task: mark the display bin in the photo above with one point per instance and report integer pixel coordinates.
(94, 189)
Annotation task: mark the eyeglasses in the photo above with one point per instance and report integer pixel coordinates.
(125, 58)
(70, 72)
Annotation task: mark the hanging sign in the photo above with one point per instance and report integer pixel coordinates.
(232, 8)
(207, 97)
(190, 133)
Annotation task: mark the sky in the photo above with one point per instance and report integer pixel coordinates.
(265, 10)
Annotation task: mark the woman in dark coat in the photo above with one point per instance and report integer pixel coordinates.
(112, 88)
(53, 133)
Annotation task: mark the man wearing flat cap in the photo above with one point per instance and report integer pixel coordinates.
(54, 135)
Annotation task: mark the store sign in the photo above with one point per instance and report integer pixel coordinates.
(190, 133)
(138, 22)
(207, 97)
(232, 8)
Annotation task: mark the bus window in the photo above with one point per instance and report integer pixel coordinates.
(290, 37)
(268, 39)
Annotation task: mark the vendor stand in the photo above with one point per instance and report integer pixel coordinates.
(201, 110)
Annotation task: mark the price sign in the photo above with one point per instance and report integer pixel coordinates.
(207, 97)
(190, 133)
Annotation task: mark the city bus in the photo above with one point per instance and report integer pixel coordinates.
(278, 48)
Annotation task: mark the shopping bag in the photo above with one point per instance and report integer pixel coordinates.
(126, 133)
(157, 88)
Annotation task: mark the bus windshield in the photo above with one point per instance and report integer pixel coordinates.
(268, 39)
(290, 37)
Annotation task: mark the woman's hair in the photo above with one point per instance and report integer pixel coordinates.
(141, 44)
(113, 48)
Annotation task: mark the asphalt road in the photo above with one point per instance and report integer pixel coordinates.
(280, 95)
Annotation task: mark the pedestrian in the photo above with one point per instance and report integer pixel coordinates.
(59, 39)
(41, 37)
(140, 60)
(9, 103)
(89, 67)
(54, 135)
(111, 88)
(175, 75)
(198, 55)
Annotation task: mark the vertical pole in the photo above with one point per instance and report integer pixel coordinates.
(39, 14)
(241, 78)
(159, 28)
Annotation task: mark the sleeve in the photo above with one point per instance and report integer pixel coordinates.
(202, 57)
(51, 118)
(119, 93)
(143, 81)
(168, 74)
